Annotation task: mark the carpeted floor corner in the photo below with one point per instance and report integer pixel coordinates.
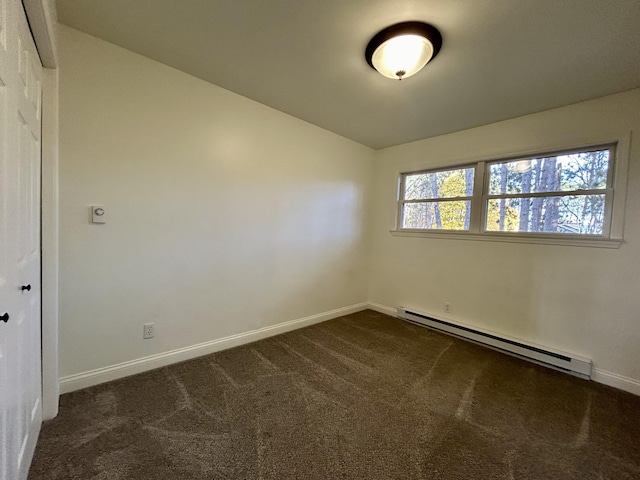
(364, 396)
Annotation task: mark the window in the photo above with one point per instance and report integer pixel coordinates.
(438, 199)
(565, 194)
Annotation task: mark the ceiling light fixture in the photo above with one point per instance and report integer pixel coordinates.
(403, 49)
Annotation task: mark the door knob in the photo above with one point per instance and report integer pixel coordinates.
(5, 317)
(26, 287)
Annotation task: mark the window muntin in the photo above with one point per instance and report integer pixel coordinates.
(437, 200)
(568, 193)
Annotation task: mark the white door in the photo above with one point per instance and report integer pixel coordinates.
(20, 350)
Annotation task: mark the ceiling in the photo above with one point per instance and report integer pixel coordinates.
(500, 58)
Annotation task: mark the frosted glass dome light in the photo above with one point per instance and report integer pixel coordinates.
(402, 50)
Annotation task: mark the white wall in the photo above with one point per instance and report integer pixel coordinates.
(224, 215)
(581, 300)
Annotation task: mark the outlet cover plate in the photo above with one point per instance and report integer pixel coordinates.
(148, 330)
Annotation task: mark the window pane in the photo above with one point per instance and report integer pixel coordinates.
(447, 215)
(561, 173)
(444, 184)
(574, 214)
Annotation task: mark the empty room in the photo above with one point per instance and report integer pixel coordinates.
(363, 239)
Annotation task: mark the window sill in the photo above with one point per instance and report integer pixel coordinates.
(512, 238)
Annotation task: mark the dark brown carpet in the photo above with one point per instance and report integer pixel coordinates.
(364, 396)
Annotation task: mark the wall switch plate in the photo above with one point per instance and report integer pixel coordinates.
(98, 214)
(148, 330)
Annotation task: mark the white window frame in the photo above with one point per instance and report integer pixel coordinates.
(402, 202)
(615, 195)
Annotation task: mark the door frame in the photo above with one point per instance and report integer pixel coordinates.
(43, 23)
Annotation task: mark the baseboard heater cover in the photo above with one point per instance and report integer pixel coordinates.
(573, 364)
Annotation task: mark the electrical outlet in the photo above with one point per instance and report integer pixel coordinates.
(147, 330)
(447, 308)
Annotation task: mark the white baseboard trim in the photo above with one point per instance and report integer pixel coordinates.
(106, 374)
(621, 382)
(101, 375)
(383, 309)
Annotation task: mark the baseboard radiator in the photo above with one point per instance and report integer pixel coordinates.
(566, 362)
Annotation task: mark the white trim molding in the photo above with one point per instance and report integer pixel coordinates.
(573, 241)
(377, 307)
(43, 24)
(611, 379)
(42, 21)
(106, 374)
(49, 238)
